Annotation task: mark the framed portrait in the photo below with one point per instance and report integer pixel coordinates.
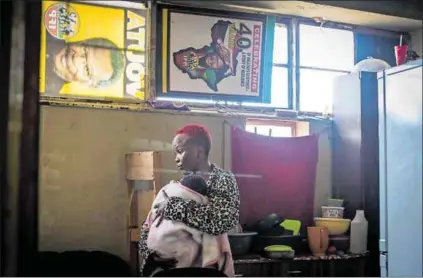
(93, 51)
(205, 54)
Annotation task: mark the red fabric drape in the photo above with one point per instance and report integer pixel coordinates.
(274, 175)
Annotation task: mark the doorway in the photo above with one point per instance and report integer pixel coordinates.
(19, 133)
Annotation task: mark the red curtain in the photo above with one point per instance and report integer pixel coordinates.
(274, 175)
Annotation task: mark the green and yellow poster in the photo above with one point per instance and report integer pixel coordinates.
(90, 50)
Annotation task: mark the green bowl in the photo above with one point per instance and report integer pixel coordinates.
(335, 203)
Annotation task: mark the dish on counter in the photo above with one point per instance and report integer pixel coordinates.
(332, 212)
(335, 203)
(336, 226)
(241, 242)
(279, 252)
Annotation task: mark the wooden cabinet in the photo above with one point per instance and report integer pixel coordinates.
(143, 180)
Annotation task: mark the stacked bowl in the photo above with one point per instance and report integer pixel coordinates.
(332, 218)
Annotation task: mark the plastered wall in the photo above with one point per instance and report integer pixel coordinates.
(83, 194)
(416, 42)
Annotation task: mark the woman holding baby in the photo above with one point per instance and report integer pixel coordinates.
(192, 145)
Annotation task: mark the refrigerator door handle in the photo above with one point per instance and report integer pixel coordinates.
(383, 261)
(382, 245)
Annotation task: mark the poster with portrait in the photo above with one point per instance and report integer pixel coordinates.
(207, 54)
(92, 51)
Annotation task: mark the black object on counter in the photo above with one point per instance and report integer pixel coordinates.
(341, 243)
(270, 221)
(277, 230)
(241, 242)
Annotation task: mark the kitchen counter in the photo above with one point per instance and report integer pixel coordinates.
(303, 265)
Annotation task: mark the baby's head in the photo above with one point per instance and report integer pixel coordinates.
(195, 183)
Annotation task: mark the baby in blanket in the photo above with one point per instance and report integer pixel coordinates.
(187, 246)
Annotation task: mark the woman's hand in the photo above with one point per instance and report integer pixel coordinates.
(145, 227)
(160, 208)
(154, 261)
(163, 262)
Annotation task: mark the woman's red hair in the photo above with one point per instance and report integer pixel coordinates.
(194, 130)
(199, 134)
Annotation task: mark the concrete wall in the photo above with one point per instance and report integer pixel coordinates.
(416, 42)
(83, 194)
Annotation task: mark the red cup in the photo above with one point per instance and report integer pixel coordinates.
(400, 54)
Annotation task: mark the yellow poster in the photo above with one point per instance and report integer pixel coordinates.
(92, 51)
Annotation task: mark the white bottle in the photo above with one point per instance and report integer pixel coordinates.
(358, 234)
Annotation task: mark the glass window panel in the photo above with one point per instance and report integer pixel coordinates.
(316, 89)
(263, 130)
(280, 44)
(326, 48)
(279, 89)
(281, 131)
(277, 131)
(250, 128)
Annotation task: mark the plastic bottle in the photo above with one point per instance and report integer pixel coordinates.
(358, 235)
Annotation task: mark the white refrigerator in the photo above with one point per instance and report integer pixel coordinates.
(400, 167)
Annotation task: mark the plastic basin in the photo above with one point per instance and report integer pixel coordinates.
(336, 226)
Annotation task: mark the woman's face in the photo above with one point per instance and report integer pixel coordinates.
(187, 156)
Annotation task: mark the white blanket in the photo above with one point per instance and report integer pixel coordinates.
(190, 247)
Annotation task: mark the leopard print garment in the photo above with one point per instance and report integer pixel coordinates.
(217, 217)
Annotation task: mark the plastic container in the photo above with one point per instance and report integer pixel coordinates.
(358, 235)
(297, 243)
(332, 212)
(400, 54)
(279, 252)
(241, 242)
(335, 203)
(336, 226)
